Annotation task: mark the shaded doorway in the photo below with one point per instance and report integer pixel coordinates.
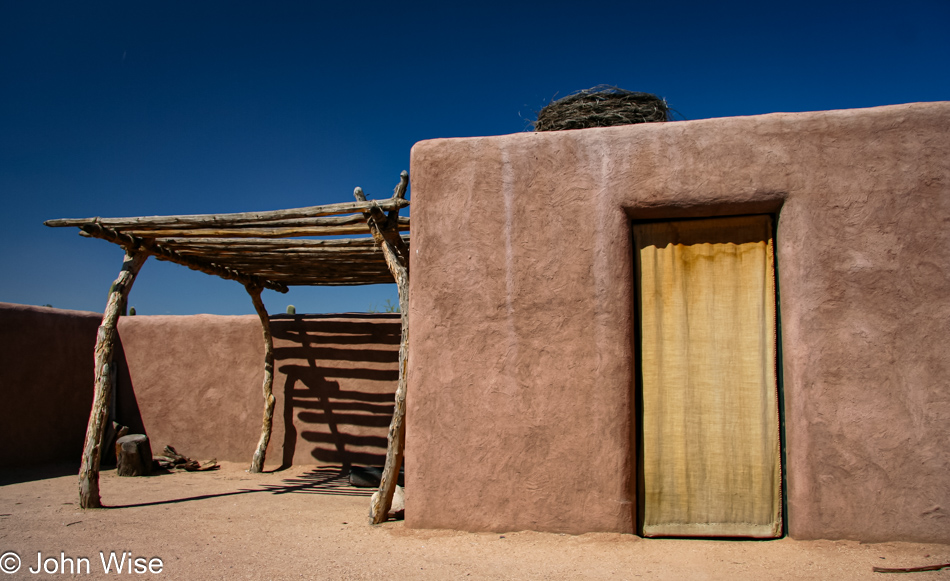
(710, 447)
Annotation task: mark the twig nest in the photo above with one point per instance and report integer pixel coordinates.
(601, 106)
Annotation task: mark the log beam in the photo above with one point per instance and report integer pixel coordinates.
(105, 345)
(255, 232)
(181, 242)
(257, 462)
(226, 220)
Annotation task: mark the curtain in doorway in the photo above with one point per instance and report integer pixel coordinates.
(711, 448)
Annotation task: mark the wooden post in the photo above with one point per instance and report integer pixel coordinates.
(105, 344)
(395, 450)
(257, 463)
(397, 259)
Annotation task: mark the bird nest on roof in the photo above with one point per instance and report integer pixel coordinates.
(601, 106)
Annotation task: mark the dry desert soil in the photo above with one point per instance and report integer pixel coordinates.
(308, 523)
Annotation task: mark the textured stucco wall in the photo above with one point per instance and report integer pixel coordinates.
(46, 383)
(520, 411)
(195, 382)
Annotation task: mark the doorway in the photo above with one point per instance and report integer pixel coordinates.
(707, 393)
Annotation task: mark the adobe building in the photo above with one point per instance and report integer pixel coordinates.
(560, 282)
(720, 328)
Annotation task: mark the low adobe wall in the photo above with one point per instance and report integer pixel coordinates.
(520, 408)
(194, 382)
(46, 383)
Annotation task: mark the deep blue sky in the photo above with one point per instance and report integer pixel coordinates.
(170, 107)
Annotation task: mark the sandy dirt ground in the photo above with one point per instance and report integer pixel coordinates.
(308, 523)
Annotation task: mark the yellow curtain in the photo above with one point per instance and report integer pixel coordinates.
(711, 451)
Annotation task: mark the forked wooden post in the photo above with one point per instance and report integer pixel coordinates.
(105, 345)
(396, 253)
(257, 463)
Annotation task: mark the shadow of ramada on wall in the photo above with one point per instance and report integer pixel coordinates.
(194, 382)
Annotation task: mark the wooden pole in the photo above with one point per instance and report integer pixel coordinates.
(246, 244)
(105, 344)
(395, 450)
(257, 462)
(397, 259)
(227, 220)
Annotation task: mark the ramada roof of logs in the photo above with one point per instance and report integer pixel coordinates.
(276, 249)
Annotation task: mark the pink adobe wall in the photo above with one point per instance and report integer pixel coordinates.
(520, 403)
(46, 375)
(195, 382)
